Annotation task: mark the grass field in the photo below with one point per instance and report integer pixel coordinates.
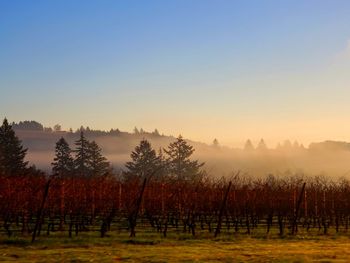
(183, 248)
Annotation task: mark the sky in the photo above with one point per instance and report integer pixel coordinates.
(230, 70)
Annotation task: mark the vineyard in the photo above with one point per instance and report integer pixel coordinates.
(37, 205)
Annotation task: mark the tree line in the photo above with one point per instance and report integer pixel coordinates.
(86, 159)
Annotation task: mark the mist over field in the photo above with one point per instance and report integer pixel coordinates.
(328, 158)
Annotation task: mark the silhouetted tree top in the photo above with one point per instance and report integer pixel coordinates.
(57, 128)
(179, 163)
(88, 161)
(261, 146)
(28, 125)
(81, 161)
(248, 145)
(288, 146)
(63, 164)
(90, 133)
(114, 132)
(97, 163)
(12, 153)
(156, 132)
(47, 129)
(215, 143)
(144, 161)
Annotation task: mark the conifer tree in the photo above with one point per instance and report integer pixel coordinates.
(163, 165)
(156, 132)
(216, 143)
(62, 164)
(262, 146)
(248, 146)
(12, 153)
(97, 163)
(179, 163)
(144, 161)
(81, 161)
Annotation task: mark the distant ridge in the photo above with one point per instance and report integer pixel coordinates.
(328, 157)
(330, 146)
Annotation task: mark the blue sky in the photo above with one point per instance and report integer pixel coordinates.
(227, 69)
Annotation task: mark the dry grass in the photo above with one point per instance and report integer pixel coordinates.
(149, 248)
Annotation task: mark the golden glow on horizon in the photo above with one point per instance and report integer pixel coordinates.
(306, 107)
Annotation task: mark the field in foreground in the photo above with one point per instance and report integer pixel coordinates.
(151, 248)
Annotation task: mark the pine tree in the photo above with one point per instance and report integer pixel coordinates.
(156, 132)
(248, 146)
(97, 163)
(81, 161)
(12, 153)
(57, 128)
(62, 164)
(262, 146)
(163, 165)
(179, 163)
(216, 143)
(145, 161)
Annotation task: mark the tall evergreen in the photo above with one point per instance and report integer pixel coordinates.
(97, 163)
(163, 171)
(179, 162)
(216, 143)
(248, 146)
(62, 164)
(12, 153)
(261, 146)
(81, 161)
(144, 161)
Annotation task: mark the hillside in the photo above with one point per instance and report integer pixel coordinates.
(328, 157)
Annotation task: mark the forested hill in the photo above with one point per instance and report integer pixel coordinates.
(328, 157)
(112, 142)
(116, 145)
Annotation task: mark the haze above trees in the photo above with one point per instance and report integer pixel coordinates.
(328, 157)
